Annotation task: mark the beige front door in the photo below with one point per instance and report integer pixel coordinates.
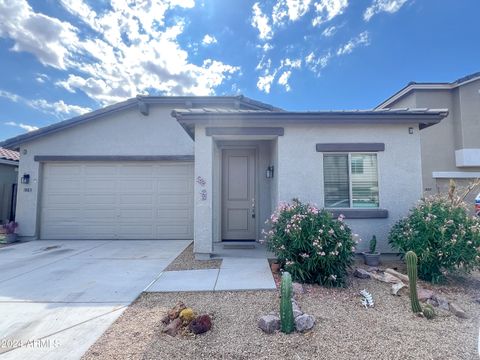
(238, 194)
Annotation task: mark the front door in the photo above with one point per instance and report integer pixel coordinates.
(238, 194)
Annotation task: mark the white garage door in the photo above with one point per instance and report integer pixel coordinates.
(117, 200)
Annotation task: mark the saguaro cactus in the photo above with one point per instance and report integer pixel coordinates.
(286, 308)
(411, 259)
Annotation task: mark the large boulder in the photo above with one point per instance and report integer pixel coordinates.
(458, 311)
(361, 274)
(172, 328)
(201, 324)
(304, 322)
(269, 323)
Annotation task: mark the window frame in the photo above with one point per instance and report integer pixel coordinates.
(349, 156)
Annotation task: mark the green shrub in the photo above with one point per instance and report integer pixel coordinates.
(311, 245)
(442, 234)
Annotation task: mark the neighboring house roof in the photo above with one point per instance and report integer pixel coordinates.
(428, 86)
(142, 102)
(424, 117)
(9, 156)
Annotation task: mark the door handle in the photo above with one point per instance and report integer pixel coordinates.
(253, 208)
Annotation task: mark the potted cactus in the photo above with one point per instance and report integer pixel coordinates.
(11, 236)
(372, 257)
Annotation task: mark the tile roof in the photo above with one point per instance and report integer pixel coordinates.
(6, 154)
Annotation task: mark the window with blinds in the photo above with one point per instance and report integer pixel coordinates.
(350, 180)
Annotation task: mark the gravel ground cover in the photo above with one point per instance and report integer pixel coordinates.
(343, 330)
(186, 261)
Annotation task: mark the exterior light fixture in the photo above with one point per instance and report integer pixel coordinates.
(269, 172)
(25, 179)
(410, 130)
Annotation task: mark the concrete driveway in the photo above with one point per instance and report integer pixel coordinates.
(58, 297)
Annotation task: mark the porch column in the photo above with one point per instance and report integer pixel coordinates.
(203, 212)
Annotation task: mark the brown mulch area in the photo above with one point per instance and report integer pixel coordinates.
(186, 261)
(344, 329)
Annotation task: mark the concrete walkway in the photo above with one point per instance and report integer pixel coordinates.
(235, 273)
(58, 297)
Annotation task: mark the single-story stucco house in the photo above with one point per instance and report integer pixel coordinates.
(212, 169)
(8, 184)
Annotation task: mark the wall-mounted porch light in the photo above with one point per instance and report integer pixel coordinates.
(269, 172)
(25, 179)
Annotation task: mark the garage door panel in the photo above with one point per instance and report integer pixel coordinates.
(60, 200)
(66, 186)
(117, 200)
(100, 170)
(137, 214)
(135, 185)
(99, 186)
(136, 171)
(100, 199)
(62, 170)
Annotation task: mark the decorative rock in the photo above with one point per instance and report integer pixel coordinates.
(386, 277)
(187, 315)
(424, 294)
(432, 302)
(396, 288)
(458, 311)
(373, 269)
(362, 274)
(442, 302)
(304, 322)
(175, 311)
(201, 324)
(269, 323)
(477, 300)
(172, 328)
(296, 309)
(297, 288)
(401, 276)
(166, 319)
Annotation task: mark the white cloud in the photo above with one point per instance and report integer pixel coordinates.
(283, 79)
(378, 6)
(25, 127)
(293, 9)
(58, 108)
(326, 10)
(261, 22)
(132, 51)
(329, 31)
(49, 39)
(209, 39)
(317, 63)
(265, 82)
(362, 39)
(294, 64)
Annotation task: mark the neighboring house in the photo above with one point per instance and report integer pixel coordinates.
(214, 169)
(8, 184)
(450, 150)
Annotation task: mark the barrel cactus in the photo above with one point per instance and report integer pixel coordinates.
(286, 308)
(411, 260)
(428, 312)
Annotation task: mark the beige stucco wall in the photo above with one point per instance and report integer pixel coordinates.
(123, 133)
(459, 130)
(300, 170)
(299, 173)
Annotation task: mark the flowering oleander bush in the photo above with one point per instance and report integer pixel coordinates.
(442, 234)
(311, 245)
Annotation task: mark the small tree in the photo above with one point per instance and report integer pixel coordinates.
(442, 233)
(311, 245)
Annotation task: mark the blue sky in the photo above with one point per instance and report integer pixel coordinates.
(59, 59)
